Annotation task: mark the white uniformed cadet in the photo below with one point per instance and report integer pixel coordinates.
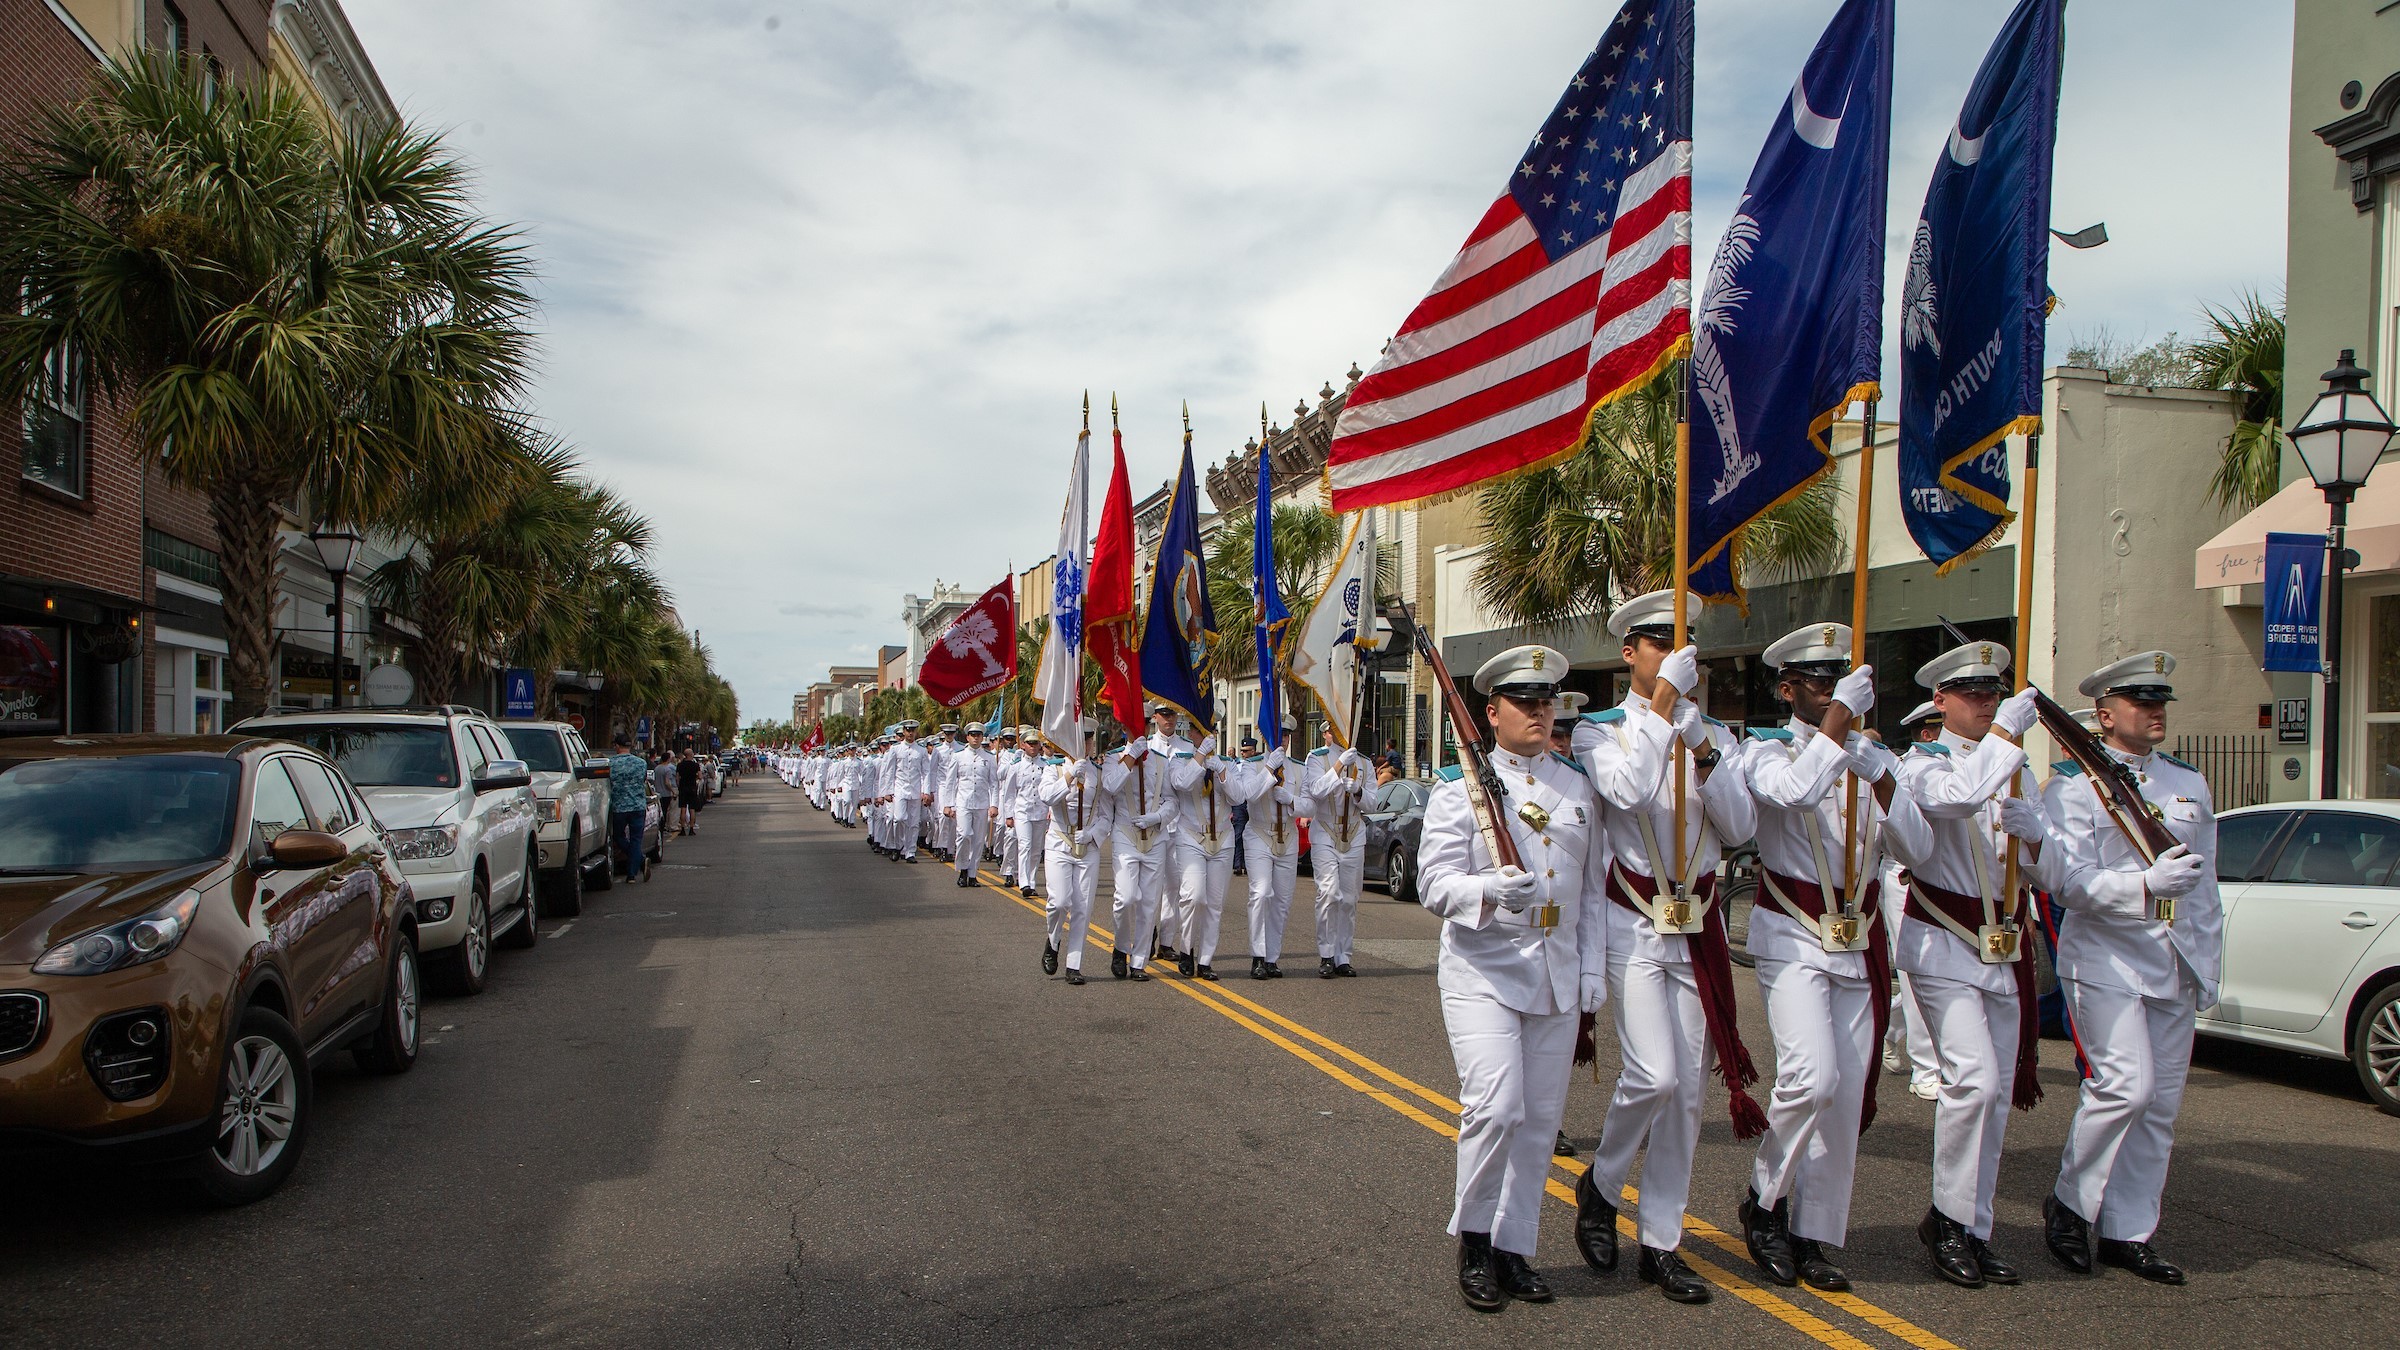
(1670, 978)
(1203, 848)
(1908, 1046)
(940, 822)
(2140, 947)
(910, 786)
(1006, 759)
(1269, 786)
(1032, 820)
(972, 781)
(1078, 812)
(1824, 795)
(1962, 945)
(1523, 951)
(1169, 928)
(1140, 805)
(1336, 781)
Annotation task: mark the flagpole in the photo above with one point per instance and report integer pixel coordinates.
(1683, 595)
(1858, 632)
(2024, 644)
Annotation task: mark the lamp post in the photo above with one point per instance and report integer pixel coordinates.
(2339, 440)
(337, 549)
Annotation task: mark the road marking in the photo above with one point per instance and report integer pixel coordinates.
(561, 930)
(1766, 1300)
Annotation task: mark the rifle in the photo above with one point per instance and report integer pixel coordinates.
(1481, 779)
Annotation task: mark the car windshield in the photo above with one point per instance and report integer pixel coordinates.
(542, 749)
(381, 756)
(136, 812)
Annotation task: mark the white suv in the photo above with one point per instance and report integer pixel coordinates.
(570, 797)
(458, 807)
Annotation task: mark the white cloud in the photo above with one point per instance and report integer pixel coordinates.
(853, 272)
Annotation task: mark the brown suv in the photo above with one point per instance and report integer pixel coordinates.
(187, 924)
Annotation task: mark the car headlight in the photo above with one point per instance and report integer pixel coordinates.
(143, 938)
(551, 812)
(428, 841)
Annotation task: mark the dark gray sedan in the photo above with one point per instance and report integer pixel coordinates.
(1395, 820)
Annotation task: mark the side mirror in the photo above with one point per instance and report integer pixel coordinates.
(295, 849)
(502, 774)
(592, 768)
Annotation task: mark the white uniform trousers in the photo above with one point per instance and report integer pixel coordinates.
(1202, 903)
(2114, 1168)
(1170, 892)
(968, 830)
(1271, 881)
(902, 830)
(1068, 885)
(1512, 1090)
(1663, 1039)
(1029, 832)
(1975, 1038)
(1005, 835)
(1907, 1030)
(1824, 1028)
(1337, 876)
(1133, 910)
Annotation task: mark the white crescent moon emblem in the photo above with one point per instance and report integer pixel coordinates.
(1964, 152)
(1807, 124)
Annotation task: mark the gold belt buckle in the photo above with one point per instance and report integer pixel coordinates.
(1841, 932)
(1677, 915)
(2164, 906)
(1999, 943)
(1547, 915)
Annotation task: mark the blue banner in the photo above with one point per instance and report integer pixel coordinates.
(2295, 587)
(1978, 289)
(1268, 616)
(1182, 625)
(517, 694)
(641, 729)
(1791, 328)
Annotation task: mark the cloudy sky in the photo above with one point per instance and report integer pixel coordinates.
(824, 282)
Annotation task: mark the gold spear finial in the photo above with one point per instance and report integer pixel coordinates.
(1187, 421)
(1112, 412)
(1087, 412)
(1262, 422)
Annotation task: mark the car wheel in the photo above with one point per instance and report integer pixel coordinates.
(565, 898)
(393, 1047)
(1737, 899)
(264, 1099)
(528, 929)
(600, 878)
(1395, 874)
(2375, 1049)
(471, 959)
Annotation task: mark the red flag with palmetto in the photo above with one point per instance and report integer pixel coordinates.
(977, 653)
(1110, 629)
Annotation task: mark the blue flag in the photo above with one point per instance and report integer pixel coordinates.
(1268, 617)
(2295, 576)
(1181, 626)
(1791, 330)
(1978, 289)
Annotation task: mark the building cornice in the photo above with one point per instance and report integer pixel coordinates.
(319, 33)
(2367, 141)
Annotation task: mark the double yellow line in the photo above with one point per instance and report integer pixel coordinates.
(1394, 1090)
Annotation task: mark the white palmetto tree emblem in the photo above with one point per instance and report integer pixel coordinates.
(1717, 315)
(973, 635)
(1920, 306)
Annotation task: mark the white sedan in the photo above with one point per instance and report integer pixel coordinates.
(2312, 955)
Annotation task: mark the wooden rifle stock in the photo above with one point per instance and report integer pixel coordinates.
(1482, 780)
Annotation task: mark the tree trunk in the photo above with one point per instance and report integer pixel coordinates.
(438, 656)
(248, 558)
(545, 689)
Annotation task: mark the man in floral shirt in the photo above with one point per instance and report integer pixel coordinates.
(628, 775)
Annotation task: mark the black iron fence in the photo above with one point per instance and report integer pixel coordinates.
(2235, 766)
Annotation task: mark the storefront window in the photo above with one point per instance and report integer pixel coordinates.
(32, 680)
(55, 434)
(2379, 776)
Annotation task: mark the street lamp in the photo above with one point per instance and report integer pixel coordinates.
(2339, 440)
(337, 549)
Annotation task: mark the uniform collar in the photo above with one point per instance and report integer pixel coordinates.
(1959, 745)
(2139, 763)
(1510, 759)
(1801, 731)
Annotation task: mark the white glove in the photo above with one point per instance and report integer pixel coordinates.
(1594, 991)
(2177, 872)
(1350, 759)
(1153, 820)
(1871, 760)
(1689, 725)
(1276, 759)
(1682, 668)
(2016, 713)
(2020, 817)
(1088, 835)
(1511, 889)
(1856, 691)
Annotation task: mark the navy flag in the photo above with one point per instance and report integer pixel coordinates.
(1978, 289)
(1181, 626)
(1268, 616)
(1791, 329)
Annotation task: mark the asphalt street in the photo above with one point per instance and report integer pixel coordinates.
(792, 1093)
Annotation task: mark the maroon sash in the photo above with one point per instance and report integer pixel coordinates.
(1809, 898)
(1712, 972)
(1967, 912)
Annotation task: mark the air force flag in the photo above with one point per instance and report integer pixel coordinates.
(1791, 328)
(1971, 310)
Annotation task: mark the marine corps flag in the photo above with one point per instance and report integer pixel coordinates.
(1182, 625)
(977, 653)
(1791, 328)
(1977, 292)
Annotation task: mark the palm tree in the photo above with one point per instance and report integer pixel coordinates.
(285, 314)
(2244, 353)
(1568, 542)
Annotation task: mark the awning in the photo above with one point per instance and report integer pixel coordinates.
(2238, 555)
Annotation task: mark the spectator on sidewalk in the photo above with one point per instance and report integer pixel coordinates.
(628, 807)
(687, 793)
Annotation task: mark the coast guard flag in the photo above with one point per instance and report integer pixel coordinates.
(1978, 289)
(1058, 681)
(1574, 288)
(1268, 617)
(1181, 626)
(1791, 327)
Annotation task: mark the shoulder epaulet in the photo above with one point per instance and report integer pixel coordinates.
(2172, 760)
(1450, 773)
(1930, 748)
(1770, 733)
(1570, 762)
(2068, 767)
(1711, 721)
(1606, 715)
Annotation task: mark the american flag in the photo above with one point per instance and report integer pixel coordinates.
(1574, 288)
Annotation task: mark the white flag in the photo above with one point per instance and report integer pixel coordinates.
(1326, 657)
(1058, 683)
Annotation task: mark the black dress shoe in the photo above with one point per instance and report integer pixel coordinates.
(1009, 879)
(1519, 1280)
(1345, 971)
(1049, 959)
(1185, 963)
(1672, 1276)
(962, 881)
(2141, 1260)
(1033, 892)
(1139, 976)
(1595, 1225)
(1477, 1283)
(1162, 952)
(1116, 964)
(1274, 972)
(911, 861)
(1564, 1147)
(1324, 967)
(1258, 968)
(1953, 1254)
(1074, 976)
(1769, 1242)
(1988, 1261)
(2067, 1234)
(974, 880)
(1815, 1271)
(1206, 974)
